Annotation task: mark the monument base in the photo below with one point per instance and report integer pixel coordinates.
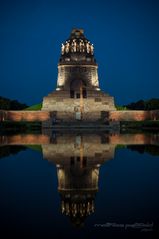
(92, 108)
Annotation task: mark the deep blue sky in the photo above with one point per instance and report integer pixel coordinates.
(125, 35)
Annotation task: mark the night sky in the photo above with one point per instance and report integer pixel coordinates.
(125, 35)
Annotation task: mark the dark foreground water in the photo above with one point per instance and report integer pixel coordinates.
(79, 186)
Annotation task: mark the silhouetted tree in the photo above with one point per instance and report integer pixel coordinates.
(7, 104)
(152, 104)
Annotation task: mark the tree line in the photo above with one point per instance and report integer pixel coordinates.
(151, 104)
(7, 104)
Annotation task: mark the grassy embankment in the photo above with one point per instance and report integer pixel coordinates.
(34, 107)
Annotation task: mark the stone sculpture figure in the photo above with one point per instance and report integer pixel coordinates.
(62, 49)
(92, 49)
(67, 47)
(88, 47)
(74, 45)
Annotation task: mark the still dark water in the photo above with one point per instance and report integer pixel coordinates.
(79, 186)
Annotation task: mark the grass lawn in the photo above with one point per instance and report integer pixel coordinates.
(34, 107)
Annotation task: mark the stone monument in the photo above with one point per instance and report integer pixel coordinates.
(78, 96)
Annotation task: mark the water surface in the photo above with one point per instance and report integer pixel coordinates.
(79, 184)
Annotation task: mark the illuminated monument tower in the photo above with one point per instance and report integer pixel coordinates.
(78, 96)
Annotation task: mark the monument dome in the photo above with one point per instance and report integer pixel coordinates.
(77, 48)
(77, 65)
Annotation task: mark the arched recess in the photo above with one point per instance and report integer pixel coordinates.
(77, 87)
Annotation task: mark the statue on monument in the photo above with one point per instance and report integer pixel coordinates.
(74, 46)
(81, 44)
(92, 49)
(88, 47)
(67, 47)
(62, 49)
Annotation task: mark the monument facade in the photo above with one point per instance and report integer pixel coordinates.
(78, 96)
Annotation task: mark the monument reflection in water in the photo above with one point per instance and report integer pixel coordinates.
(78, 158)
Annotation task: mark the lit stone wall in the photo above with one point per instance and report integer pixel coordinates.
(134, 115)
(67, 113)
(67, 73)
(70, 105)
(29, 116)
